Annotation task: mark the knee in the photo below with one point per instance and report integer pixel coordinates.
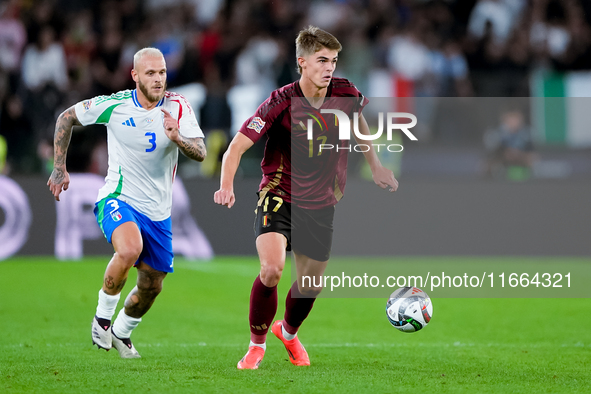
(271, 274)
(148, 293)
(310, 292)
(130, 252)
(150, 288)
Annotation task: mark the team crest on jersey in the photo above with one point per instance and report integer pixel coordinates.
(116, 216)
(256, 124)
(87, 104)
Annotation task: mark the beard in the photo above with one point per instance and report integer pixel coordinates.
(149, 96)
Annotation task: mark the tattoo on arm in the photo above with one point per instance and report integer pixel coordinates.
(62, 135)
(58, 175)
(193, 148)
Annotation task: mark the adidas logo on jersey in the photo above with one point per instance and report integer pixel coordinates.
(129, 122)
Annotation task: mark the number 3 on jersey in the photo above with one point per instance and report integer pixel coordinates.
(152, 140)
(114, 204)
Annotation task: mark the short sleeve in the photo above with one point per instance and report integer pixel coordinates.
(258, 124)
(345, 88)
(97, 110)
(363, 101)
(188, 125)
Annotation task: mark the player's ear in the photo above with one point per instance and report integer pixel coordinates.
(301, 62)
(134, 74)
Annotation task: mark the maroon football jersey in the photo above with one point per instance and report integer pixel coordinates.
(293, 166)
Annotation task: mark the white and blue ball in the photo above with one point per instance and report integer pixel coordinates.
(409, 309)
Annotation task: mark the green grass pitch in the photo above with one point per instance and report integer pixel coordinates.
(197, 330)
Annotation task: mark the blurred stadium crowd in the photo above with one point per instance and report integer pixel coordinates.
(54, 53)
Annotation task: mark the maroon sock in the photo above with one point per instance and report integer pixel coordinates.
(297, 309)
(263, 306)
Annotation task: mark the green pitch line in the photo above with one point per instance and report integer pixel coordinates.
(197, 330)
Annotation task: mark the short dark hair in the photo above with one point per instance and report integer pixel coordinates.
(312, 39)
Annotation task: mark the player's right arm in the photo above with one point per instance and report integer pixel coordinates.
(250, 132)
(60, 179)
(230, 162)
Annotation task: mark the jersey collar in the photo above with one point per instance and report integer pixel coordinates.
(300, 93)
(137, 102)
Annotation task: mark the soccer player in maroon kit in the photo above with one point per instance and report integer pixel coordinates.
(296, 202)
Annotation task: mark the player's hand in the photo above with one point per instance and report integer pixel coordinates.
(58, 181)
(384, 178)
(224, 197)
(171, 126)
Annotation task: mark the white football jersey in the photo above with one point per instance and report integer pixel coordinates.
(142, 159)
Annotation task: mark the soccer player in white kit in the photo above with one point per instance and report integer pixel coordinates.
(146, 127)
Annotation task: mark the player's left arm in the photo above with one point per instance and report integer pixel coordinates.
(59, 179)
(193, 148)
(382, 176)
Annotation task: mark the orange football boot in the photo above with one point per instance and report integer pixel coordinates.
(252, 359)
(296, 351)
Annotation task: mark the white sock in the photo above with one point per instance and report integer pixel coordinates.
(263, 345)
(106, 305)
(287, 335)
(124, 325)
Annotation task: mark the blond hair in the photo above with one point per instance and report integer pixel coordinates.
(311, 40)
(154, 52)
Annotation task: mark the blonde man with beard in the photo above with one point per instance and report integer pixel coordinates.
(146, 128)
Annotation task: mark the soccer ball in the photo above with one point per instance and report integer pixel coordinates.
(409, 309)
